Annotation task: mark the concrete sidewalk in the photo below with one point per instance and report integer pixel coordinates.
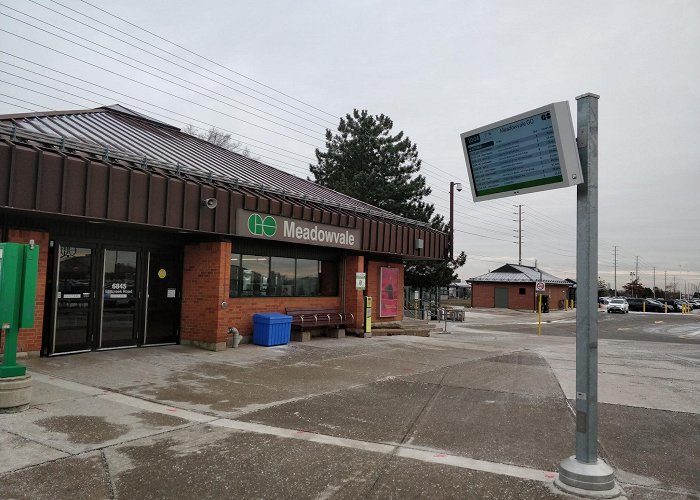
(451, 416)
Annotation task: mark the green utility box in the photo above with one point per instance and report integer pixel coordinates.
(19, 265)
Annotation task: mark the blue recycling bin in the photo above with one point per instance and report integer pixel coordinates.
(271, 329)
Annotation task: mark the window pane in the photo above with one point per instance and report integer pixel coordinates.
(235, 286)
(254, 273)
(329, 278)
(308, 277)
(281, 276)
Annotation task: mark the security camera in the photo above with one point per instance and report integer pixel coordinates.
(210, 203)
(458, 186)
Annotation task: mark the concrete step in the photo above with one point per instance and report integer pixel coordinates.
(412, 331)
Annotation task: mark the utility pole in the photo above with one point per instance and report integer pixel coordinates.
(615, 247)
(665, 286)
(653, 286)
(636, 269)
(520, 234)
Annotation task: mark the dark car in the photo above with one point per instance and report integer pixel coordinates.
(647, 305)
(635, 304)
(653, 305)
(669, 303)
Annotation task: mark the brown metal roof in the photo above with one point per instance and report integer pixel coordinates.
(126, 132)
(116, 165)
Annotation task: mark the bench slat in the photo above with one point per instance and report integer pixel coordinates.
(308, 318)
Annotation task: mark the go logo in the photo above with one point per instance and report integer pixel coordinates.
(262, 227)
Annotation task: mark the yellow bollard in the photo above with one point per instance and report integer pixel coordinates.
(644, 306)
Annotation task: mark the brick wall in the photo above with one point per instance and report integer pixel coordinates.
(241, 310)
(483, 295)
(205, 285)
(353, 297)
(524, 302)
(206, 277)
(29, 339)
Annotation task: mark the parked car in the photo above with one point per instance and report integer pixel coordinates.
(648, 305)
(635, 304)
(681, 303)
(695, 303)
(669, 303)
(618, 305)
(654, 305)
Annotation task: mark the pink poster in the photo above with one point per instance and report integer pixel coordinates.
(389, 298)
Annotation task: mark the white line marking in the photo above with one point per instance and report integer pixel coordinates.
(156, 407)
(473, 464)
(423, 455)
(303, 435)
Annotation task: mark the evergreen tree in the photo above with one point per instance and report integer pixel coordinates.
(364, 160)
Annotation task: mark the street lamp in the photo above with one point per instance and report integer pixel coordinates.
(453, 185)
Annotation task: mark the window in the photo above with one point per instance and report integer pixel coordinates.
(255, 271)
(281, 276)
(263, 276)
(521, 291)
(308, 274)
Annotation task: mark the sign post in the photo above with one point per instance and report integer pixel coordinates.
(585, 471)
(537, 151)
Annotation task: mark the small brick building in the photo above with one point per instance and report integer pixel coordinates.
(513, 287)
(150, 236)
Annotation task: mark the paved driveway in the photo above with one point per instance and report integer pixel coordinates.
(482, 412)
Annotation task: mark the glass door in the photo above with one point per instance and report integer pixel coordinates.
(120, 299)
(73, 309)
(163, 298)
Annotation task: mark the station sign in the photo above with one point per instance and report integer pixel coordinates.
(530, 152)
(276, 228)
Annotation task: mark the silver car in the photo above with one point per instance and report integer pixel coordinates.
(618, 305)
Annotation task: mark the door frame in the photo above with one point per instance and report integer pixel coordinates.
(96, 310)
(54, 297)
(148, 252)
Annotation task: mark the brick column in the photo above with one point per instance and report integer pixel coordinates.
(29, 339)
(353, 296)
(206, 275)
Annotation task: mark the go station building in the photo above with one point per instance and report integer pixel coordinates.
(150, 236)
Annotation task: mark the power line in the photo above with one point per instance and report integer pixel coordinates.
(205, 58)
(153, 67)
(280, 167)
(156, 88)
(138, 107)
(167, 80)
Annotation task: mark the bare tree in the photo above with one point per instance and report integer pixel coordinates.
(219, 138)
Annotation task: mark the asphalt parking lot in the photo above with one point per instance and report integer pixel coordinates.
(483, 411)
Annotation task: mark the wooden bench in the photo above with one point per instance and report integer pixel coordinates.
(304, 320)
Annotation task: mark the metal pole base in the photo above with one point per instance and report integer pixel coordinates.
(587, 480)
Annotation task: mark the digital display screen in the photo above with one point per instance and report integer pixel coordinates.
(513, 156)
(526, 153)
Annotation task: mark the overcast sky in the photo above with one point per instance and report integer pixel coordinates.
(437, 69)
